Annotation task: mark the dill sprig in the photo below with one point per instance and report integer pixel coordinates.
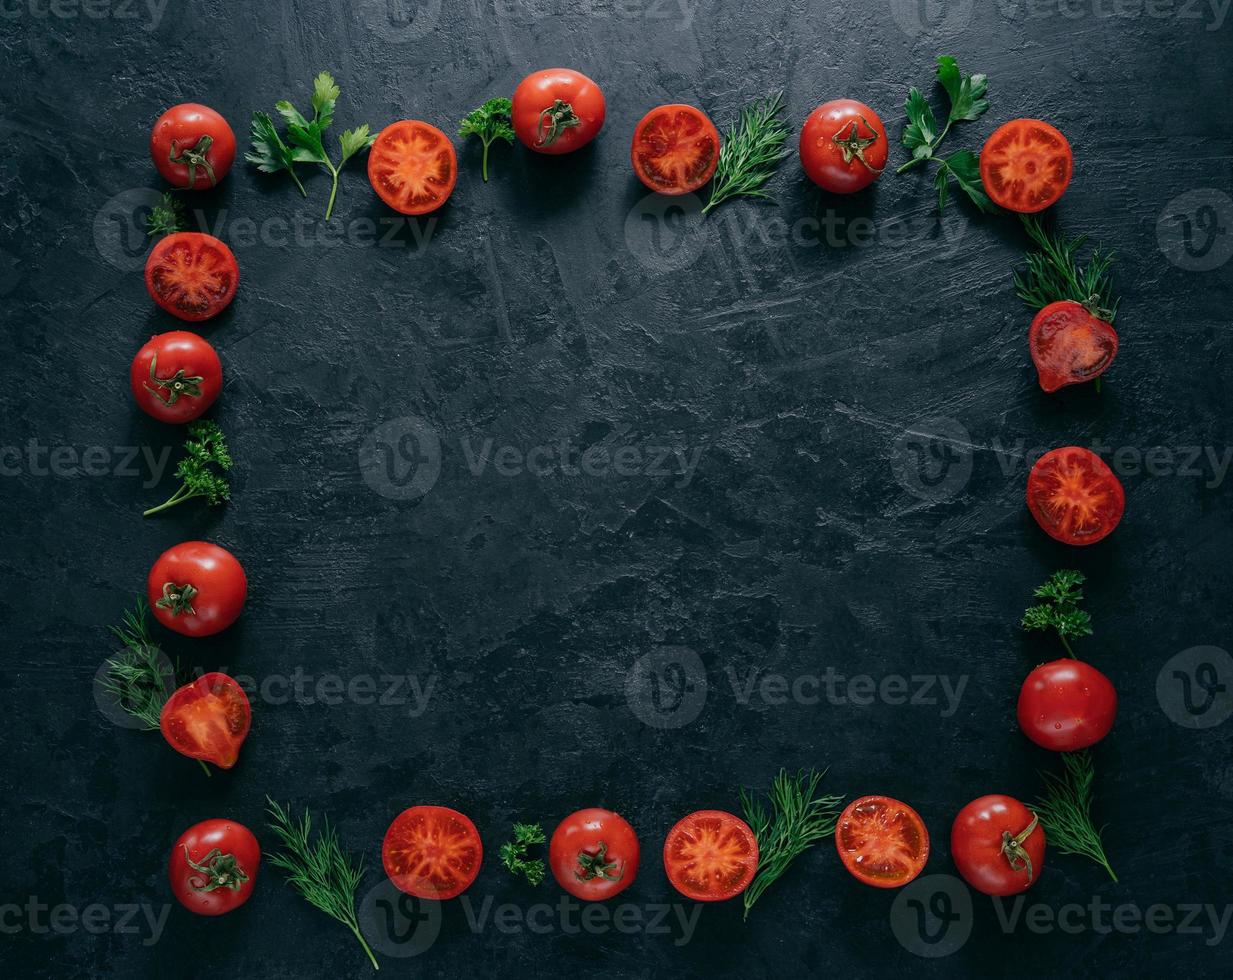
(1066, 810)
(1053, 274)
(321, 871)
(1060, 611)
(203, 468)
(140, 677)
(752, 149)
(797, 819)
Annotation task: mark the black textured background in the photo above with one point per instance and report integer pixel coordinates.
(553, 304)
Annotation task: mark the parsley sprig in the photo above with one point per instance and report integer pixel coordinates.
(203, 469)
(490, 122)
(797, 819)
(1066, 809)
(322, 873)
(922, 135)
(1054, 274)
(166, 217)
(514, 853)
(1060, 611)
(751, 151)
(305, 138)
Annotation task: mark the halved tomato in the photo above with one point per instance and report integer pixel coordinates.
(881, 841)
(1074, 496)
(208, 719)
(192, 275)
(675, 149)
(412, 167)
(711, 855)
(1025, 165)
(432, 852)
(1070, 345)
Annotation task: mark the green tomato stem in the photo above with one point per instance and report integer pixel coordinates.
(206, 769)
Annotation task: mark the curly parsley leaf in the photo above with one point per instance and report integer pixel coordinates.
(203, 469)
(514, 853)
(1060, 611)
(166, 217)
(490, 122)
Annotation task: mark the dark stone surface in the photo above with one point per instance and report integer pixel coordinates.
(545, 307)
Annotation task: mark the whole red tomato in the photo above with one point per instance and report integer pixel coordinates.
(594, 854)
(176, 376)
(196, 588)
(192, 146)
(208, 719)
(843, 146)
(998, 845)
(1066, 705)
(213, 866)
(557, 110)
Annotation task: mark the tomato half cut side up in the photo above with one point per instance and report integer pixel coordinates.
(432, 852)
(881, 841)
(1070, 345)
(412, 167)
(675, 149)
(1074, 496)
(208, 719)
(192, 275)
(1026, 165)
(711, 855)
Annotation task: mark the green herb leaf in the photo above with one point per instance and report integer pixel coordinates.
(319, 870)
(325, 95)
(1060, 611)
(203, 467)
(922, 127)
(797, 819)
(141, 678)
(750, 152)
(354, 141)
(165, 217)
(514, 853)
(490, 122)
(269, 152)
(964, 166)
(966, 92)
(1066, 809)
(1054, 273)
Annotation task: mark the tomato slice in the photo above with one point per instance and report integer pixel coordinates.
(192, 275)
(412, 166)
(1070, 345)
(1025, 165)
(711, 855)
(675, 149)
(208, 719)
(1074, 496)
(881, 841)
(432, 852)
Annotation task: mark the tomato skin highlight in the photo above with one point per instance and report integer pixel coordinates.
(413, 167)
(176, 376)
(432, 852)
(219, 587)
(192, 275)
(711, 855)
(578, 99)
(843, 121)
(1070, 345)
(594, 854)
(1026, 165)
(208, 719)
(675, 149)
(978, 843)
(224, 847)
(1066, 705)
(1074, 496)
(881, 841)
(178, 134)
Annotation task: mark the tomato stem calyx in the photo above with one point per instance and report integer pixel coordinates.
(557, 118)
(178, 384)
(597, 865)
(853, 145)
(1014, 852)
(194, 157)
(178, 598)
(220, 871)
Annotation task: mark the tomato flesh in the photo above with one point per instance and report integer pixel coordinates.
(1074, 496)
(191, 275)
(711, 855)
(881, 841)
(1066, 705)
(208, 719)
(986, 847)
(432, 852)
(412, 167)
(675, 149)
(1069, 345)
(1026, 165)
